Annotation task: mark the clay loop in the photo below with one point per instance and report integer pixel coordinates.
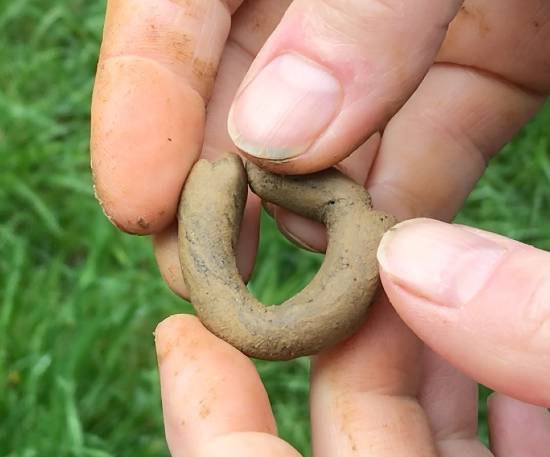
(327, 310)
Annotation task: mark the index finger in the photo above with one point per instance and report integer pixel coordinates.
(212, 397)
(156, 69)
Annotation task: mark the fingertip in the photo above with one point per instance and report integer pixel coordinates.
(143, 117)
(208, 387)
(441, 262)
(172, 333)
(396, 240)
(165, 246)
(175, 323)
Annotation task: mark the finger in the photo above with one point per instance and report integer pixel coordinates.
(311, 234)
(436, 147)
(211, 394)
(480, 300)
(363, 393)
(167, 249)
(155, 74)
(331, 75)
(252, 24)
(457, 115)
(432, 154)
(490, 35)
(450, 401)
(518, 428)
(233, 66)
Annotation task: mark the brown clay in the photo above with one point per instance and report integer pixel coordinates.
(328, 309)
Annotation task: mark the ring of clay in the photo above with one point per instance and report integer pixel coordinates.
(328, 309)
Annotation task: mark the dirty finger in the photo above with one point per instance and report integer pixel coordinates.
(212, 396)
(363, 393)
(251, 25)
(155, 74)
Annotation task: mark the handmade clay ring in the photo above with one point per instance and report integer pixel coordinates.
(327, 310)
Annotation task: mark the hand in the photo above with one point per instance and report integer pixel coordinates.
(480, 300)
(331, 76)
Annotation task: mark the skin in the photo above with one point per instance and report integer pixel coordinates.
(329, 309)
(472, 88)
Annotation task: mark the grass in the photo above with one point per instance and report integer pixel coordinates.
(79, 300)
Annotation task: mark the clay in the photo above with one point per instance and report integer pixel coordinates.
(327, 310)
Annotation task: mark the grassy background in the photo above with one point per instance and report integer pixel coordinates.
(79, 300)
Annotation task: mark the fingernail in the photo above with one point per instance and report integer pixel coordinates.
(439, 262)
(287, 105)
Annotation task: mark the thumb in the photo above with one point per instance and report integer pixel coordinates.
(481, 300)
(331, 75)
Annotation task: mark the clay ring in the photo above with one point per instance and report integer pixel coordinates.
(327, 310)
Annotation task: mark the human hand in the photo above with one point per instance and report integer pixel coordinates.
(168, 74)
(478, 299)
(482, 302)
(155, 77)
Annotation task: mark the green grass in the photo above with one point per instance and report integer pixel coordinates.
(79, 300)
